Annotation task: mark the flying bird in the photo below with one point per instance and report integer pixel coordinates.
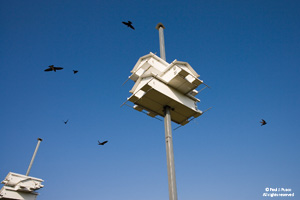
(263, 122)
(66, 121)
(52, 68)
(102, 143)
(75, 71)
(129, 24)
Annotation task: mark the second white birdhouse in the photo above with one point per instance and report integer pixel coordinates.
(18, 186)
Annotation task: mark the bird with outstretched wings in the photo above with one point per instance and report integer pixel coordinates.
(102, 143)
(52, 68)
(129, 24)
(263, 122)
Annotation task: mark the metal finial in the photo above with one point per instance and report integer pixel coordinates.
(160, 25)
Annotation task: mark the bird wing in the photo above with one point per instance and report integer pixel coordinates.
(49, 69)
(131, 26)
(102, 143)
(125, 23)
(58, 68)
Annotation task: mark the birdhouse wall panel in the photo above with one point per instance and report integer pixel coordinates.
(184, 67)
(144, 65)
(181, 79)
(151, 72)
(171, 93)
(195, 81)
(190, 78)
(13, 179)
(171, 72)
(137, 83)
(176, 82)
(155, 100)
(156, 108)
(159, 97)
(183, 110)
(134, 77)
(183, 72)
(186, 87)
(150, 105)
(157, 64)
(169, 75)
(140, 72)
(7, 193)
(141, 82)
(177, 117)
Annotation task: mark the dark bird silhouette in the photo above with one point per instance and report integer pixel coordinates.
(129, 24)
(66, 121)
(263, 122)
(52, 68)
(75, 71)
(102, 143)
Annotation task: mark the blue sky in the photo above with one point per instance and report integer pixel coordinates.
(248, 52)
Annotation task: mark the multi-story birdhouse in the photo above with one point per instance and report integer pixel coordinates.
(159, 84)
(18, 186)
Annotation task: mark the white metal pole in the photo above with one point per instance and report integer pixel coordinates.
(168, 129)
(34, 154)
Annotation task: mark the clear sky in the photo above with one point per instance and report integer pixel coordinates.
(248, 52)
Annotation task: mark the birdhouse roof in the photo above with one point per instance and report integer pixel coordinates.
(184, 65)
(148, 56)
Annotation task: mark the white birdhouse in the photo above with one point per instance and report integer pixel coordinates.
(159, 84)
(18, 186)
